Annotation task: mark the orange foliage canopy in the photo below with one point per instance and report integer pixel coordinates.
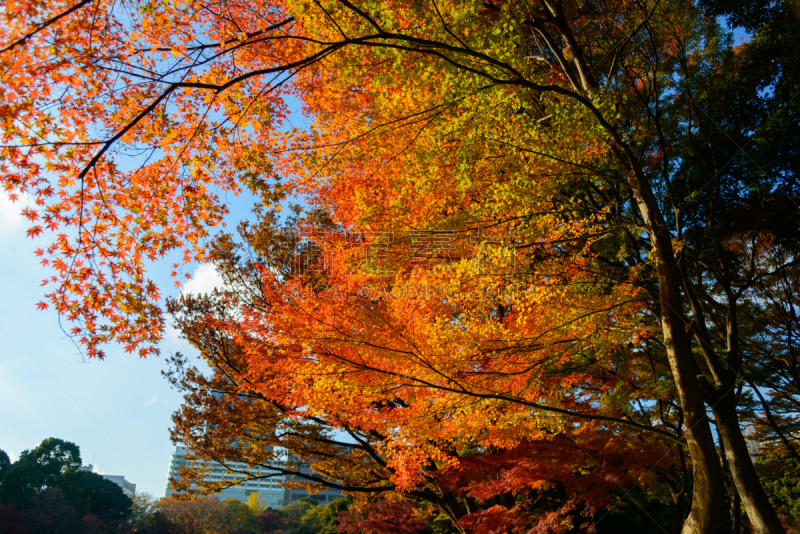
(124, 134)
(436, 371)
(512, 158)
(125, 122)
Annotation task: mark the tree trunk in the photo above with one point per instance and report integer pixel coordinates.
(708, 492)
(708, 495)
(736, 513)
(681, 511)
(743, 472)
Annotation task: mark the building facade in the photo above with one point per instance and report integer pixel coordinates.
(272, 494)
(128, 488)
(292, 495)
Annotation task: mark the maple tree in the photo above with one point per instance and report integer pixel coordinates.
(229, 417)
(385, 516)
(554, 135)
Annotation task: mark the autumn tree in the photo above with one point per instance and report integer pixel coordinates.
(245, 516)
(596, 136)
(205, 516)
(51, 512)
(217, 422)
(13, 519)
(383, 517)
(142, 511)
(229, 417)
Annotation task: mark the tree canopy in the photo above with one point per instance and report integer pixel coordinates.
(547, 245)
(43, 491)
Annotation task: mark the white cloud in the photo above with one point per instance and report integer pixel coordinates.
(152, 400)
(204, 280)
(11, 219)
(174, 335)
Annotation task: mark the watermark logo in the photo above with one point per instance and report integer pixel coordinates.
(382, 253)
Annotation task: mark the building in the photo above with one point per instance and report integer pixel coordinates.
(269, 489)
(292, 495)
(128, 488)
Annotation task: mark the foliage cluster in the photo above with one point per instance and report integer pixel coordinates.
(43, 492)
(209, 515)
(599, 199)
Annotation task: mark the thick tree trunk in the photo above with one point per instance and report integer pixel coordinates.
(708, 494)
(743, 472)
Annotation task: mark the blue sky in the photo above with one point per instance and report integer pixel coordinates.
(117, 410)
